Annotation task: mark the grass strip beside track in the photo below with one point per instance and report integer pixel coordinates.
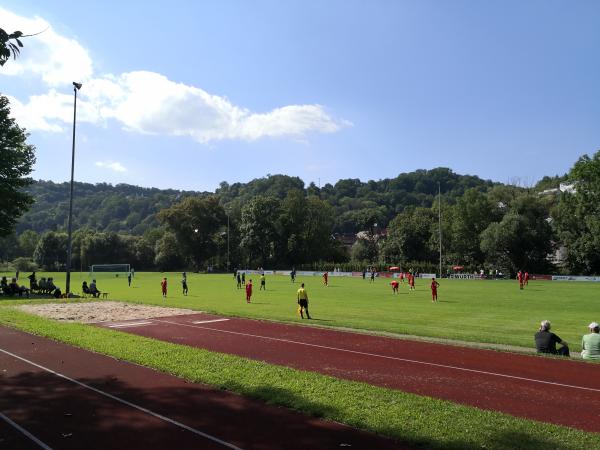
(410, 418)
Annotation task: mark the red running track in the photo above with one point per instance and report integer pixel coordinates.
(54, 396)
(563, 392)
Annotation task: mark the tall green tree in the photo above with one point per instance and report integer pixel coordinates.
(318, 228)
(523, 239)
(51, 250)
(260, 229)
(9, 247)
(28, 242)
(16, 163)
(196, 223)
(577, 217)
(168, 254)
(292, 220)
(409, 235)
(472, 214)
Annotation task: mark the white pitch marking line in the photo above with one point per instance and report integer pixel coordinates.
(210, 321)
(125, 402)
(131, 324)
(395, 358)
(25, 432)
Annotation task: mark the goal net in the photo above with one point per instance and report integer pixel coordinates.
(109, 269)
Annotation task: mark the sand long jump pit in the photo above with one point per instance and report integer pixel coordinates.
(106, 311)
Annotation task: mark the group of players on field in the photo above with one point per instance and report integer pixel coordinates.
(240, 277)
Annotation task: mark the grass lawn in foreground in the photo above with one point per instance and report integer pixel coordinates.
(471, 310)
(421, 421)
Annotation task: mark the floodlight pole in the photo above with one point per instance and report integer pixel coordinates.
(227, 242)
(76, 87)
(440, 223)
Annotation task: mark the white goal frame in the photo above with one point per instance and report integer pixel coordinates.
(110, 268)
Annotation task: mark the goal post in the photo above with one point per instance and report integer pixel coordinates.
(109, 268)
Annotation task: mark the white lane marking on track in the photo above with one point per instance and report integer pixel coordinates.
(210, 321)
(130, 324)
(125, 402)
(395, 358)
(25, 432)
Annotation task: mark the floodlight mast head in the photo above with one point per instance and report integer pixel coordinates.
(77, 85)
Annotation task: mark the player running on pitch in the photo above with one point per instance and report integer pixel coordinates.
(326, 278)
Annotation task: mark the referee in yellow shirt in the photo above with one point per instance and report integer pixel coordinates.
(303, 301)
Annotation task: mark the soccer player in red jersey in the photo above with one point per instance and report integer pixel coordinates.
(395, 285)
(526, 279)
(520, 278)
(325, 277)
(248, 290)
(163, 286)
(434, 286)
(411, 281)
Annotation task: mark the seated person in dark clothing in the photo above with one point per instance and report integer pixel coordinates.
(84, 288)
(50, 287)
(42, 285)
(545, 341)
(14, 288)
(93, 289)
(4, 285)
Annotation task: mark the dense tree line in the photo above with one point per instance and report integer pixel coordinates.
(278, 222)
(119, 209)
(577, 217)
(479, 231)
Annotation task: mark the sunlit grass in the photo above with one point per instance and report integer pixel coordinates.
(469, 310)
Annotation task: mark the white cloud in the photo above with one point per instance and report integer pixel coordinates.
(52, 112)
(143, 101)
(27, 117)
(112, 165)
(54, 58)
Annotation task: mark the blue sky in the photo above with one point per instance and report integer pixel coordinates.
(188, 94)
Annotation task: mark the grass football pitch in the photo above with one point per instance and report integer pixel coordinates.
(471, 310)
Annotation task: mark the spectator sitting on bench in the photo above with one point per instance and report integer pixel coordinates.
(84, 288)
(94, 290)
(50, 287)
(14, 288)
(42, 285)
(4, 286)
